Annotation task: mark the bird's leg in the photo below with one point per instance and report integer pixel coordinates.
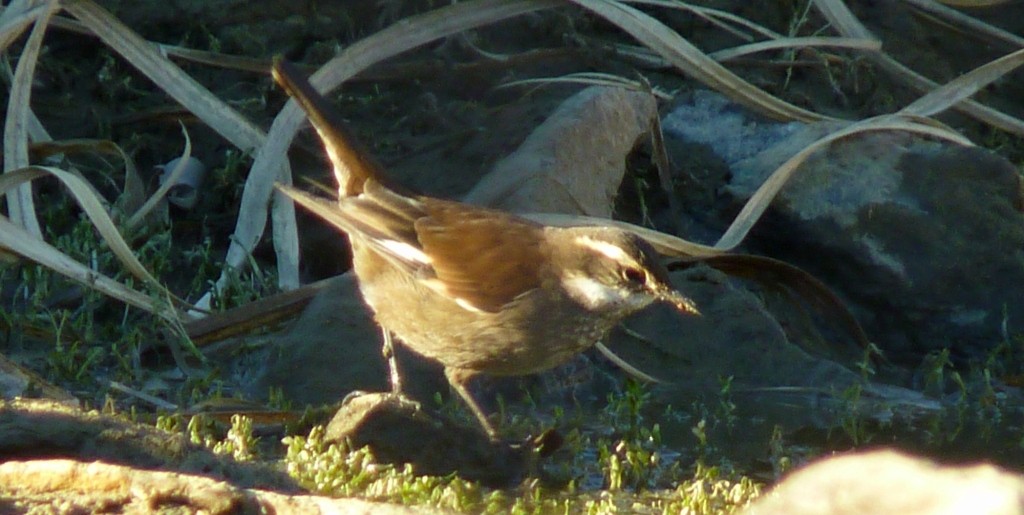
(389, 356)
(458, 379)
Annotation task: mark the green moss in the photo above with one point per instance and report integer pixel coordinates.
(334, 470)
(637, 475)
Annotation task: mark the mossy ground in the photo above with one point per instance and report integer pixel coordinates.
(619, 460)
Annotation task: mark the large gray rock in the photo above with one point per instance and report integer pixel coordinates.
(923, 238)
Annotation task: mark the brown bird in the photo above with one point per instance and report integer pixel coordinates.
(478, 290)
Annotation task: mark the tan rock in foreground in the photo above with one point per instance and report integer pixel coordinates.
(889, 482)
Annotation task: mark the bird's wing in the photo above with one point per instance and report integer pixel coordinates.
(482, 258)
(387, 233)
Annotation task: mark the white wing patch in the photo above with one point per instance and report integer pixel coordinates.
(405, 251)
(466, 305)
(610, 250)
(442, 290)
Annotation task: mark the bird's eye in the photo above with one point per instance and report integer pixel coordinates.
(634, 275)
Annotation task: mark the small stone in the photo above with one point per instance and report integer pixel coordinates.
(399, 431)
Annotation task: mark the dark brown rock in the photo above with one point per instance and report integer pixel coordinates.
(399, 431)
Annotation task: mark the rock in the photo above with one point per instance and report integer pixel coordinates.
(69, 486)
(574, 161)
(40, 429)
(771, 379)
(920, 237)
(335, 348)
(734, 336)
(398, 431)
(889, 482)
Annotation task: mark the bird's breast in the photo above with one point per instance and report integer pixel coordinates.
(537, 331)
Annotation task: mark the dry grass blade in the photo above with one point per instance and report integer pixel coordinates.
(15, 18)
(664, 243)
(20, 206)
(133, 192)
(843, 19)
(24, 244)
(45, 149)
(231, 62)
(20, 381)
(625, 365)
(847, 24)
(234, 62)
(968, 24)
(870, 45)
(716, 17)
(161, 192)
(36, 249)
(36, 132)
(961, 88)
(689, 59)
(592, 79)
(152, 399)
(146, 57)
(270, 163)
(798, 286)
(660, 157)
(758, 203)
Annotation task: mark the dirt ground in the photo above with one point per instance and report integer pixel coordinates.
(436, 116)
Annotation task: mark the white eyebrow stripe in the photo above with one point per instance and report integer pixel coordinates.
(610, 250)
(405, 251)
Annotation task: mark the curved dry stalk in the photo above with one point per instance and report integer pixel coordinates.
(270, 163)
(848, 25)
(969, 24)
(20, 242)
(20, 206)
(161, 192)
(760, 200)
(147, 58)
(219, 59)
(16, 17)
(666, 244)
(692, 61)
(592, 79)
(866, 44)
(793, 283)
(133, 189)
(964, 86)
(715, 17)
(625, 365)
(37, 250)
